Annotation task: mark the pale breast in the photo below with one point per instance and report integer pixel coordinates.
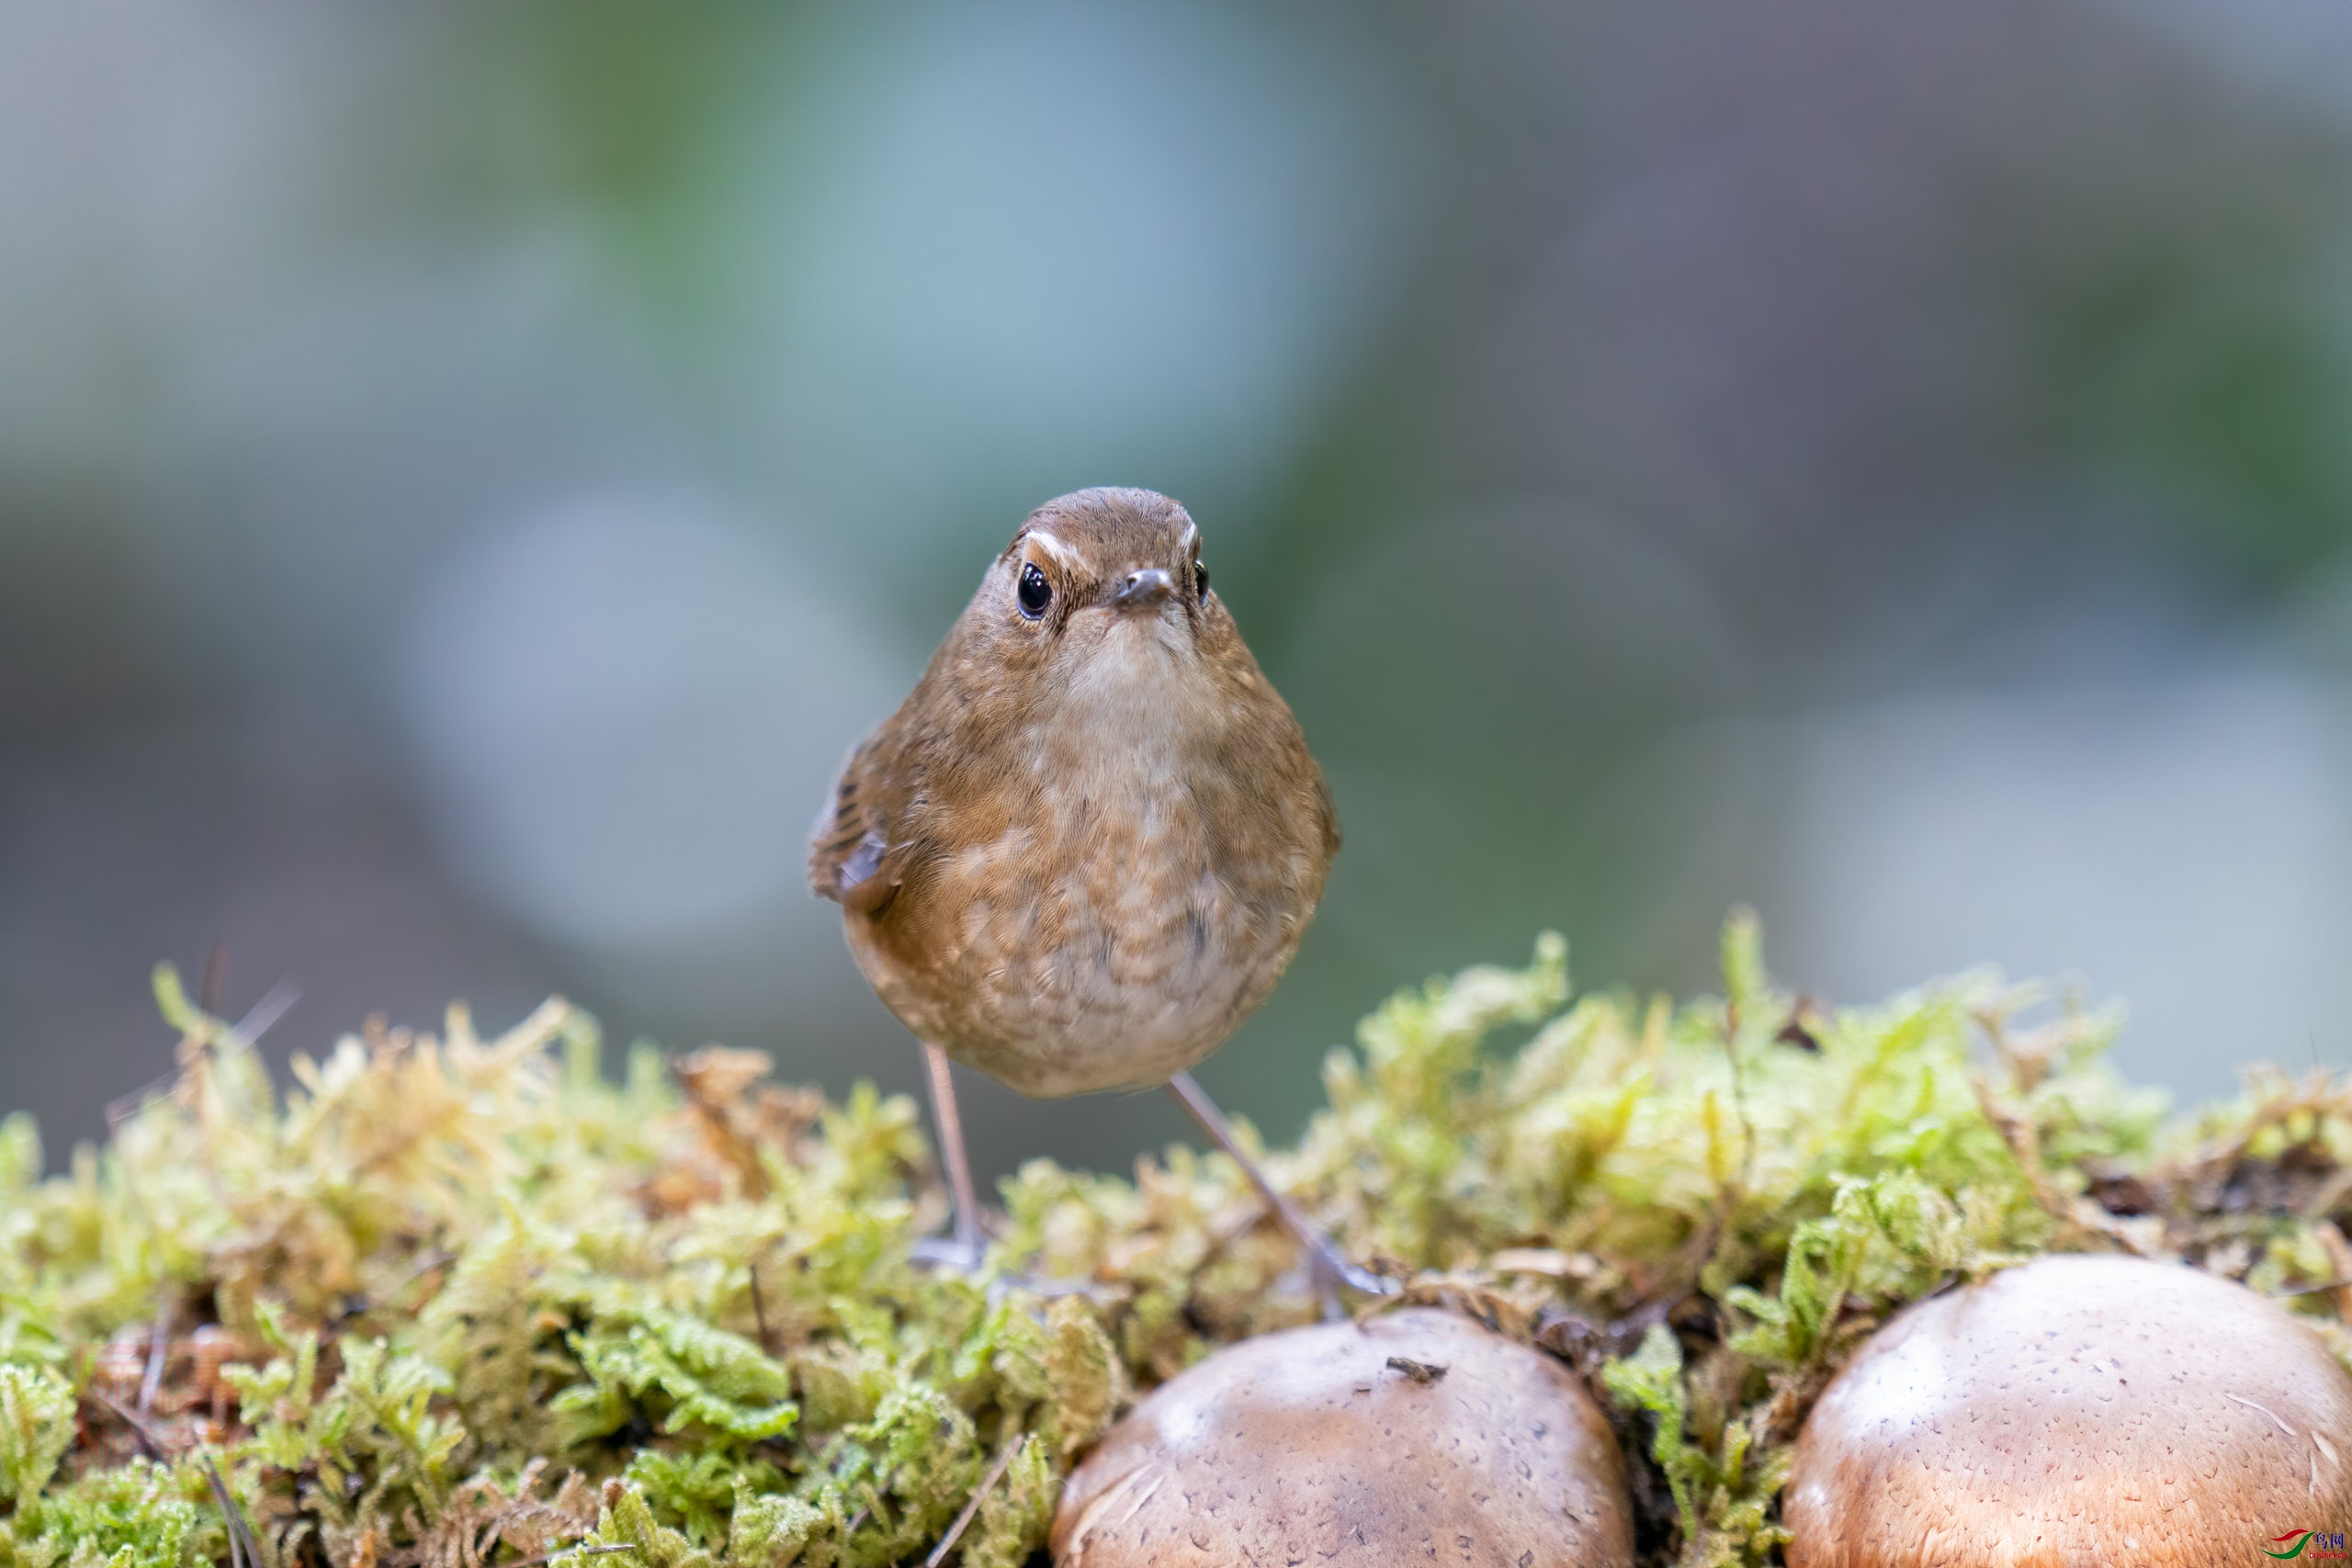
(1109, 937)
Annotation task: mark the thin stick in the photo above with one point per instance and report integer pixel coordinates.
(243, 1552)
(159, 1346)
(963, 1520)
(439, 1258)
(866, 1510)
(216, 970)
(951, 1150)
(436, 1259)
(149, 1439)
(759, 1309)
(1204, 1111)
(266, 1011)
(249, 1028)
(120, 1109)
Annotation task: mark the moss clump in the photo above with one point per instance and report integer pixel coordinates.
(464, 1301)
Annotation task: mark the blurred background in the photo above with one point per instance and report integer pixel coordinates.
(469, 474)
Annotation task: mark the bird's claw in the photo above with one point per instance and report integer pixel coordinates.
(948, 1254)
(1328, 1270)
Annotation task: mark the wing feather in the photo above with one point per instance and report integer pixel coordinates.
(849, 851)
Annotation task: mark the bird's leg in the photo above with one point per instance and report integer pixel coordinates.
(1329, 1264)
(969, 1241)
(969, 1247)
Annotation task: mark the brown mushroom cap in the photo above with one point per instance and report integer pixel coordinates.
(1308, 1447)
(2075, 1410)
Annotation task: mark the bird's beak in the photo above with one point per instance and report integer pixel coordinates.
(1148, 589)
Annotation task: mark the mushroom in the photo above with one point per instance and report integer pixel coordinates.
(1416, 1436)
(2075, 1410)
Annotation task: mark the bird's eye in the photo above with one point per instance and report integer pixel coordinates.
(1035, 592)
(1201, 580)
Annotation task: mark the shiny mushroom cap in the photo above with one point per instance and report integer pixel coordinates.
(2074, 1410)
(1417, 1437)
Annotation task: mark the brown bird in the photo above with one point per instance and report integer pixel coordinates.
(1086, 846)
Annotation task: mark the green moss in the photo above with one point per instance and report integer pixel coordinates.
(36, 1425)
(137, 1515)
(456, 1300)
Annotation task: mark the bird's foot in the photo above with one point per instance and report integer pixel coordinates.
(1333, 1269)
(952, 1255)
(1329, 1271)
(946, 1255)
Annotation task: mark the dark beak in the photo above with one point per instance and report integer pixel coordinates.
(1145, 589)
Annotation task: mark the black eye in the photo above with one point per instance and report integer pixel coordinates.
(1035, 592)
(1201, 580)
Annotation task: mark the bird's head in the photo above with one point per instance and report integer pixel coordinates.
(1102, 602)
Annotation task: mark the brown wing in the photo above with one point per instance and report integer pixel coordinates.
(1331, 811)
(849, 851)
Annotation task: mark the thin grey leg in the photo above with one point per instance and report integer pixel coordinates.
(1330, 1263)
(968, 1238)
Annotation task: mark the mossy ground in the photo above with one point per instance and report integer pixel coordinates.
(453, 1302)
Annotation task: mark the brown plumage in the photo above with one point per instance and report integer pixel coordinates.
(1086, 846)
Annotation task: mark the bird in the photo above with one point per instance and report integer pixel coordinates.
(1088, 843)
